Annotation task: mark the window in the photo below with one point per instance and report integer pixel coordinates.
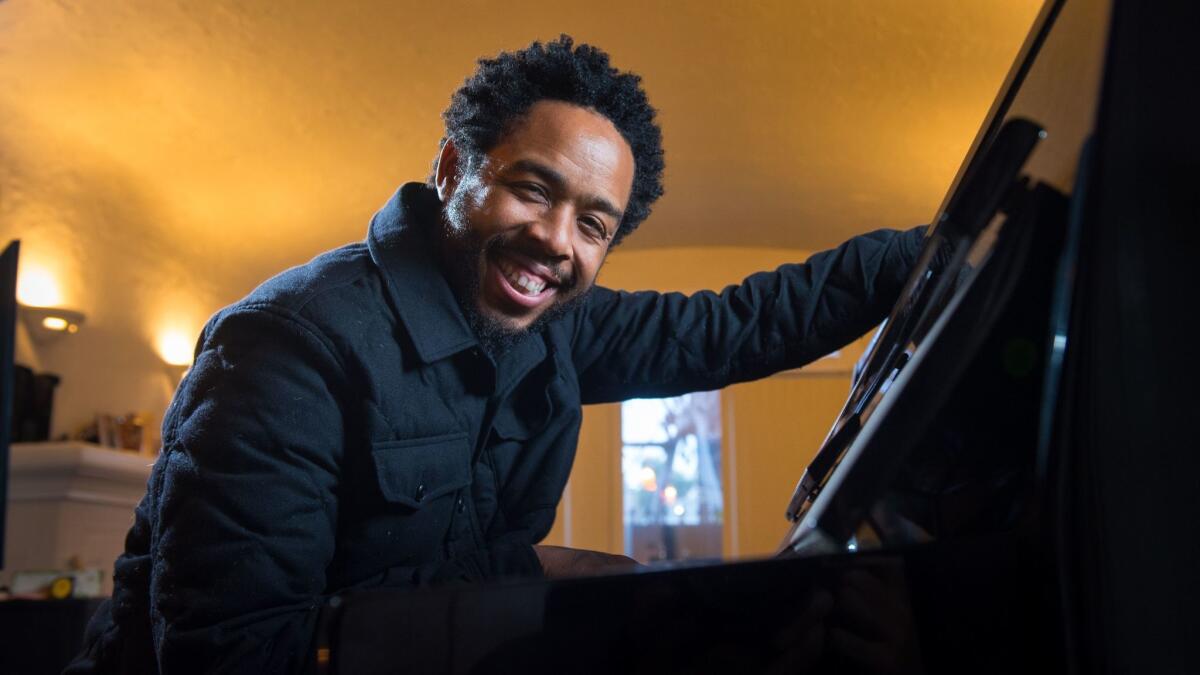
(671, 473)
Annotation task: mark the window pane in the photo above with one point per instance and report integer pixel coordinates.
(671, 471)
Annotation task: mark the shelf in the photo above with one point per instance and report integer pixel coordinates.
(78, 472)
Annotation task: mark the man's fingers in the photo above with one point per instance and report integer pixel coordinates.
(560, 561)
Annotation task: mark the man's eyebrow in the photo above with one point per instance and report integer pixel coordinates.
(559, 184)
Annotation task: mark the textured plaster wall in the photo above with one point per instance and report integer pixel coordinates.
(159, 158)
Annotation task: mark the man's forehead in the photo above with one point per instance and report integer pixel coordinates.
(577, 143)
(561, 121)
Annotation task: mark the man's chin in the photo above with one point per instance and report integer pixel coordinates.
(506, 324)
(498, 332)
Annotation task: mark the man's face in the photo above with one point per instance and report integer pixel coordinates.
(528, 231)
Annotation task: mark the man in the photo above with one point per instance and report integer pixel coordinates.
(405, 411)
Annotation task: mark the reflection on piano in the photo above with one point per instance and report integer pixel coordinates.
(956, 517)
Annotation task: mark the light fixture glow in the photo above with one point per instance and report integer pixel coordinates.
(648, 479)
(670, 494)
(175, 348)
(46, 324)
(36, 287)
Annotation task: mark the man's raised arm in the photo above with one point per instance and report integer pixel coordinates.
(650, 344)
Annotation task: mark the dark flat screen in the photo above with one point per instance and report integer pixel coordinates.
(8, 328)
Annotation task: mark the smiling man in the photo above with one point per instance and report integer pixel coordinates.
(405, 410)
(530, 221)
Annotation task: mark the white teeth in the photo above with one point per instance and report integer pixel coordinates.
(530, 286)
(523, 282)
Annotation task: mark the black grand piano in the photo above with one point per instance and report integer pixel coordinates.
(1013, 483)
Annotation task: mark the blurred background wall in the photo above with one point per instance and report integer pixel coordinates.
(160, 158)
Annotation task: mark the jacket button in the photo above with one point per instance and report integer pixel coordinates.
(460, 505)
(420, 492)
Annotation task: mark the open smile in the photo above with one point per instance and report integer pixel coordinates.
(520, 280)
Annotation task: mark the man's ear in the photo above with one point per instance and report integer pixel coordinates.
(445, 178)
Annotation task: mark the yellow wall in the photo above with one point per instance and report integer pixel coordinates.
(162, 158)
(771, 428)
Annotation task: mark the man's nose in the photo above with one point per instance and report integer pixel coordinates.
(554, 230)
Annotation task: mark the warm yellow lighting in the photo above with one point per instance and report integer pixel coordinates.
(648, 479)
(175, 348)
(670, 494)
(36, 287)
(55, 323)
(50, 323)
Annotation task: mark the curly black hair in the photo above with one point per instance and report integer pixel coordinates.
(503, 89)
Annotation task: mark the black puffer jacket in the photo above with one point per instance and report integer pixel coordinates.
(341, 429)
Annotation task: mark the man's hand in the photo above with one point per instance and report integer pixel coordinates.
(559, 562)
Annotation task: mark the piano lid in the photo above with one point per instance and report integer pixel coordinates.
(1053, 85)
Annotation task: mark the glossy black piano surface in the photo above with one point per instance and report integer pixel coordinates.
(945, 523)
(929, 609)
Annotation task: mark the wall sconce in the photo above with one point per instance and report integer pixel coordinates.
(175, 349)
(47, 324)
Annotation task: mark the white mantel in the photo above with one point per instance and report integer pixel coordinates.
(70, 499)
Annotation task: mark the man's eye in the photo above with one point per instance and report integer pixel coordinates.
(595, 227)
(533, 191)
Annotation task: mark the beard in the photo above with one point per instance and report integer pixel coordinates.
(466, 259)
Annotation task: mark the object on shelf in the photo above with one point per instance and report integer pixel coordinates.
(128, 431)
(57, 584)
(123, 432)
(32, 404)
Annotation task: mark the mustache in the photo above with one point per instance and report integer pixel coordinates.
(564, 276)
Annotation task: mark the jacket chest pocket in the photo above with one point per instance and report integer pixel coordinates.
(530, 407)
(525, 444)
(413, 472)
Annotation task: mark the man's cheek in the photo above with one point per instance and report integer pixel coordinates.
(510, 211)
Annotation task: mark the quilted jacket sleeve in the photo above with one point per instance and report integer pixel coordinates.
(646, 344)
(242, 501)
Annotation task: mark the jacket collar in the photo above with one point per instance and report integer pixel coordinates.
(400, 243)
